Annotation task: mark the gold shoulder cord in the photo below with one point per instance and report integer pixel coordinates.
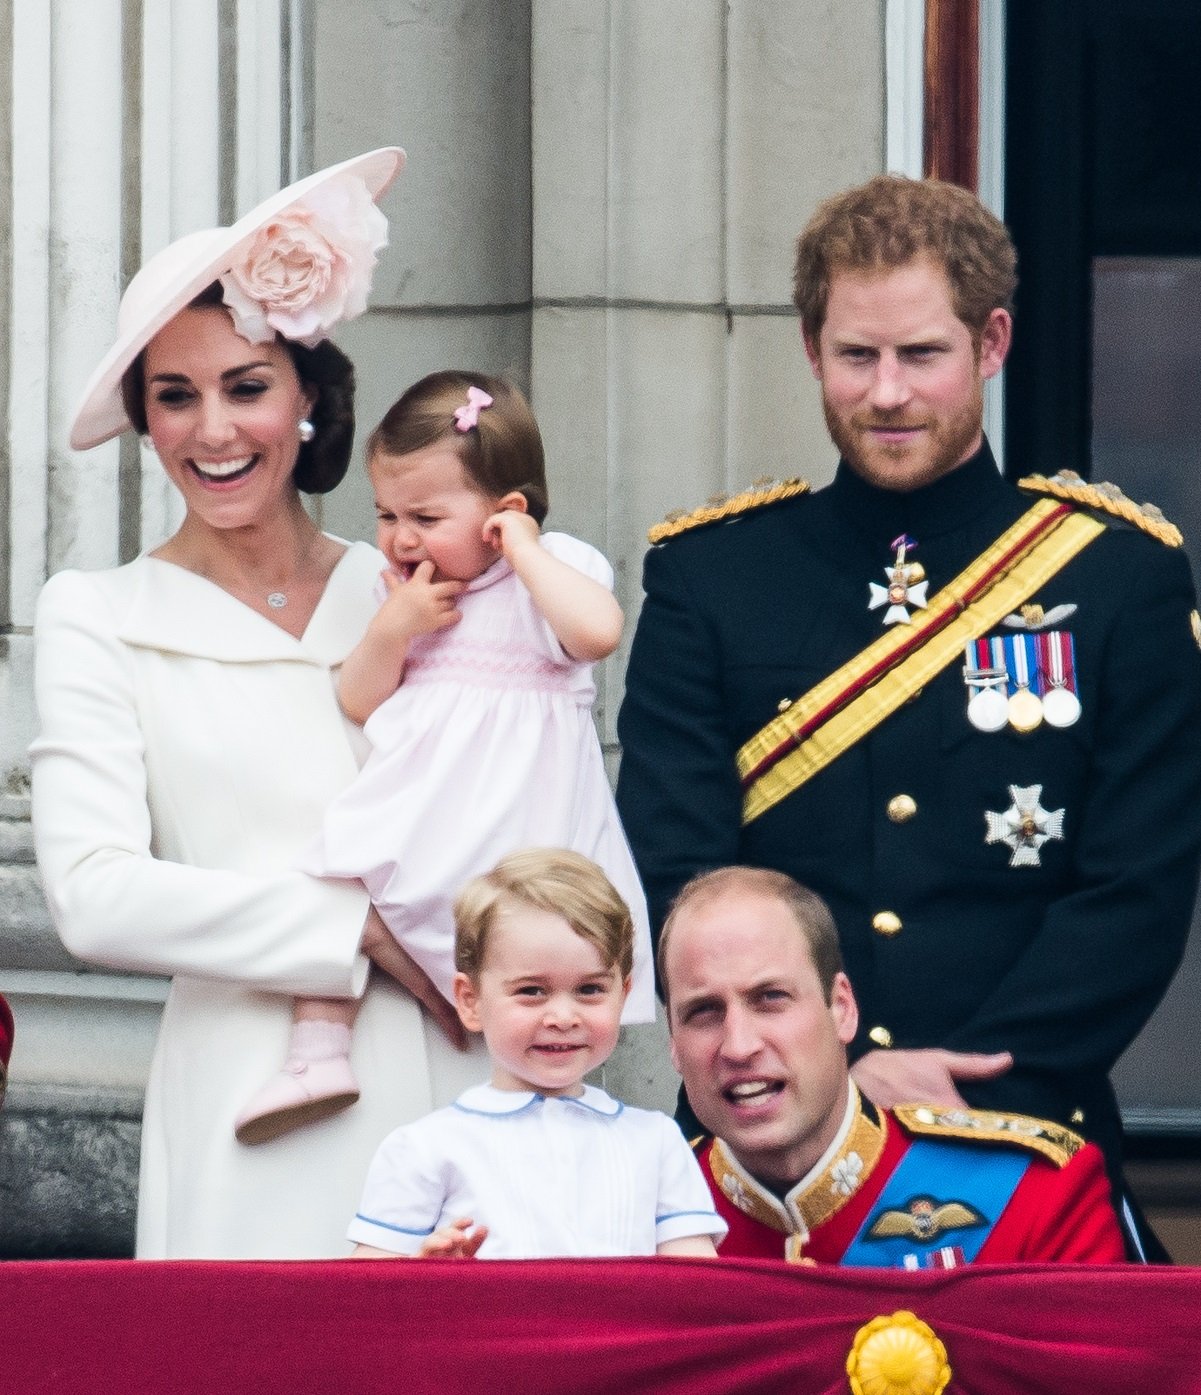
(721, 507)
(1105, 498)
(1052, 1140)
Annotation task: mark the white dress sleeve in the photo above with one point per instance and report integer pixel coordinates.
(685, 1206)
(584, 558)
(113, 901)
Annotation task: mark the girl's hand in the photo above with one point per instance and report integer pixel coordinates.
(454, 1241)
(418, 606)
(511, 531)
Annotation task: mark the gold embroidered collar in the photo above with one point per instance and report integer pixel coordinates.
(823, 1191)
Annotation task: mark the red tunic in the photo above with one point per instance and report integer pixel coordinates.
(1059, 1211)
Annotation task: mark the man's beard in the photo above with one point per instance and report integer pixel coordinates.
(945, 444)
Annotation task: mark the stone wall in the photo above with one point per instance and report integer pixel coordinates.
(600, 201)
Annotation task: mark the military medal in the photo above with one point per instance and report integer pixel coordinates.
(1025, 706)
(906, 587)
(1025, 826)
(1022, 680)
(1024, 710)
(988, 707)
(1061, 705)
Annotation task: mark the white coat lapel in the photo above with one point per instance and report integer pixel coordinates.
(178, 612)
(349, 602)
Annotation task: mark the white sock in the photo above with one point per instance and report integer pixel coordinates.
(315, 1040)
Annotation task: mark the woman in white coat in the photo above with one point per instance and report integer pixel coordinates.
(190, 734)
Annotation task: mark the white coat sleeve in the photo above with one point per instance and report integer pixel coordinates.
(112, 901)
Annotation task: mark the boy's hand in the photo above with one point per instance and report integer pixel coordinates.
(510, 530)
(418, 606)
(454, 1241)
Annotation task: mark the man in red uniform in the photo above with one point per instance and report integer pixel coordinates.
(800, 1164)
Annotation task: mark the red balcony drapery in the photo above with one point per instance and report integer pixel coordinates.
(580, 1326)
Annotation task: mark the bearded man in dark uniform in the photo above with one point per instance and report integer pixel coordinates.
(967, 713)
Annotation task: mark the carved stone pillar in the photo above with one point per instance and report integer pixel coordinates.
(130, 123)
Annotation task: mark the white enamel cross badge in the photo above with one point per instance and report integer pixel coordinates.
(1025, 826)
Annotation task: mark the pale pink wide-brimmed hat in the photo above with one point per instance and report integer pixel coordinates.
(315, 232)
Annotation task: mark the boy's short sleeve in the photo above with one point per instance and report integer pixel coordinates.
(402, 1198)
(685, 1206)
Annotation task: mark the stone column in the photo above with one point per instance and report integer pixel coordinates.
(600, 201)
(132, 122)
(450, 83)
(678, 147)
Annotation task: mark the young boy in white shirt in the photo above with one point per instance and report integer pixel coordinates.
(537, 1164)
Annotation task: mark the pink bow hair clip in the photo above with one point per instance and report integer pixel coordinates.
(468, 415)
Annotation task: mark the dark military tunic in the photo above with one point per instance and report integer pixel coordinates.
(1060, 961)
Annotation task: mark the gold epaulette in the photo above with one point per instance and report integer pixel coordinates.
(1044, 1136)
(720, 507)
(1107, 498)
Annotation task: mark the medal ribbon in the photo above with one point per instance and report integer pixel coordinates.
(848, 704)
(1041, 662)
(1020, 650)
(1059, 659)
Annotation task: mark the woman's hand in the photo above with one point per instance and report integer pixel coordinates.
(383, 949)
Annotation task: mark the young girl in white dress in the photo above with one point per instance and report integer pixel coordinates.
(474, 682)
(536, 1164)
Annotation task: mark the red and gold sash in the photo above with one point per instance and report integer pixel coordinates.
(851, 702)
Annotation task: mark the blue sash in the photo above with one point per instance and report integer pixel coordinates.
(934, 1173)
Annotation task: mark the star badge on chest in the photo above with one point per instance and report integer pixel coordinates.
(1025, 826)
(906, 587)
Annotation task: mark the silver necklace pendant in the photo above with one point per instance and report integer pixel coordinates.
(277, 600)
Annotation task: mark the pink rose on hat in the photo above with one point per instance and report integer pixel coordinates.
(309, 268)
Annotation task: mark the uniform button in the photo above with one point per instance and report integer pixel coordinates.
(886, 923)
(1077, 1116)
(881, 1036)
(901, 808)
(783, 705)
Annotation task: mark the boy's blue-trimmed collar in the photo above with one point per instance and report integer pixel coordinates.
(487, 1099)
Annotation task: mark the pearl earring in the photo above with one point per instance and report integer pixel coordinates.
(305, 430)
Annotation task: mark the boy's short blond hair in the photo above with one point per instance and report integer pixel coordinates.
(549, 879)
